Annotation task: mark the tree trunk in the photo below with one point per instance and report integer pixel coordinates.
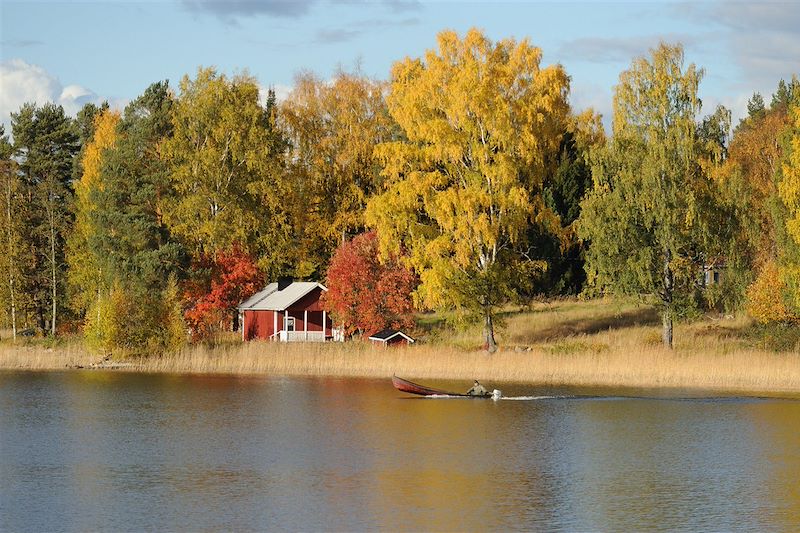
(40, 317)
(50, 208)
(666, 296)
(666, 334)
(53, 280)
(54, 292)
(491, 345)
(10, 257)
(235, 320)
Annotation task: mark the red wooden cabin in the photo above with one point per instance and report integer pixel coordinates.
(287, 312)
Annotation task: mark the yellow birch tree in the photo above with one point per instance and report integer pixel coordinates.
(333, 128)
(222, 166)
(482, 124)
(84, 277)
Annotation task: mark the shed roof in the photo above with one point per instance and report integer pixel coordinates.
(388, 334)
(273, 299)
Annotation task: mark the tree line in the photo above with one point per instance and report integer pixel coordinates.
(468, 168)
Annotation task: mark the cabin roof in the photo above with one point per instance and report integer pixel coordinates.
(388, 334)
(257, 297)
(273, 299)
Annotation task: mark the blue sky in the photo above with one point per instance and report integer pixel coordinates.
(72, 52)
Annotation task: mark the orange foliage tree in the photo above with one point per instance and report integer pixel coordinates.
(766, 297)
(220, 283)
(366, 295)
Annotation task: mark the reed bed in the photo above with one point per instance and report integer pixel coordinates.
(598, 344)
(41, 357)
(752, 372)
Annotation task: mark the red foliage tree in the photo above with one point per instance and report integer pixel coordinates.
(220, 284)
(364, 295)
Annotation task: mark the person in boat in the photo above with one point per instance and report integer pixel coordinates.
(477, 390)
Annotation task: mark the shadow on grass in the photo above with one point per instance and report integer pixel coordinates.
(592, 325)
(725, 332)
(774, 337)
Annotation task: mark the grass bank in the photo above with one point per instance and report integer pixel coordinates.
(597, 343)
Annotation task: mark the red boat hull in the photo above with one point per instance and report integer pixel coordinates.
(403, 385)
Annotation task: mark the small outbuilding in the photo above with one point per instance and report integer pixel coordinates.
(286, 311)
(391, 337)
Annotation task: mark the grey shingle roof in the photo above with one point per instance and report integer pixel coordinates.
(272, 299)
(257, 297)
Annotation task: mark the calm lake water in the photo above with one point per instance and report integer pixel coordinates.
(88, 451)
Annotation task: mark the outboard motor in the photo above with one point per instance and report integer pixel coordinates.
(496, 394)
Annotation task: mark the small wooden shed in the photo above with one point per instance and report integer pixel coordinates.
(391, 337)
(286, 311)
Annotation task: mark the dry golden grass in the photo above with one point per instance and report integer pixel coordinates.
(37, 356)
(620, 362)
(596, 343)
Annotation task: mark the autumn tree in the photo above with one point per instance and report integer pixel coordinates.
(646, 217)
(789, 193)
(223, 167)
(220, 283)
(481, 122)
(365, 294)
(85, 279)
(333, 128)
(128, 255)
(750, 179)
(789, 186)
(85, 122)
(768, 298)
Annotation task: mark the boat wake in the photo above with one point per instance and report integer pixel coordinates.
(524, 398)
(497, 395)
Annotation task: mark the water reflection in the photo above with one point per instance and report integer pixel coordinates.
(108, 451)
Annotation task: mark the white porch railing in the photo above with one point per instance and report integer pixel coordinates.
(301, 336)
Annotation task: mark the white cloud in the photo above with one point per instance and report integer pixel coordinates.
(761, 38)
(617, 49)
(21, 82)
(736, 103)
(590, 95)
(230, 10)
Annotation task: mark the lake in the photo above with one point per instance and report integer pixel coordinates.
(92, 450)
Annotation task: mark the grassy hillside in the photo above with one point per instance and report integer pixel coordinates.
(571, 325)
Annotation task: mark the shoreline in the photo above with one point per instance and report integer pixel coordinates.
(744, 373)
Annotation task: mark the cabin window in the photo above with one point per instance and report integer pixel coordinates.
(716, 277)
(290, 323)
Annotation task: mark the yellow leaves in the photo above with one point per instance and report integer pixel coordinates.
(588, 129)
(219, 152)
(657, 92)
(333, 128)
(482, 123)
(105, 135)
(766, 296)
(789, 186)
(83, 275)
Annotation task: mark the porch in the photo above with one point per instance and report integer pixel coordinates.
(301, 336)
